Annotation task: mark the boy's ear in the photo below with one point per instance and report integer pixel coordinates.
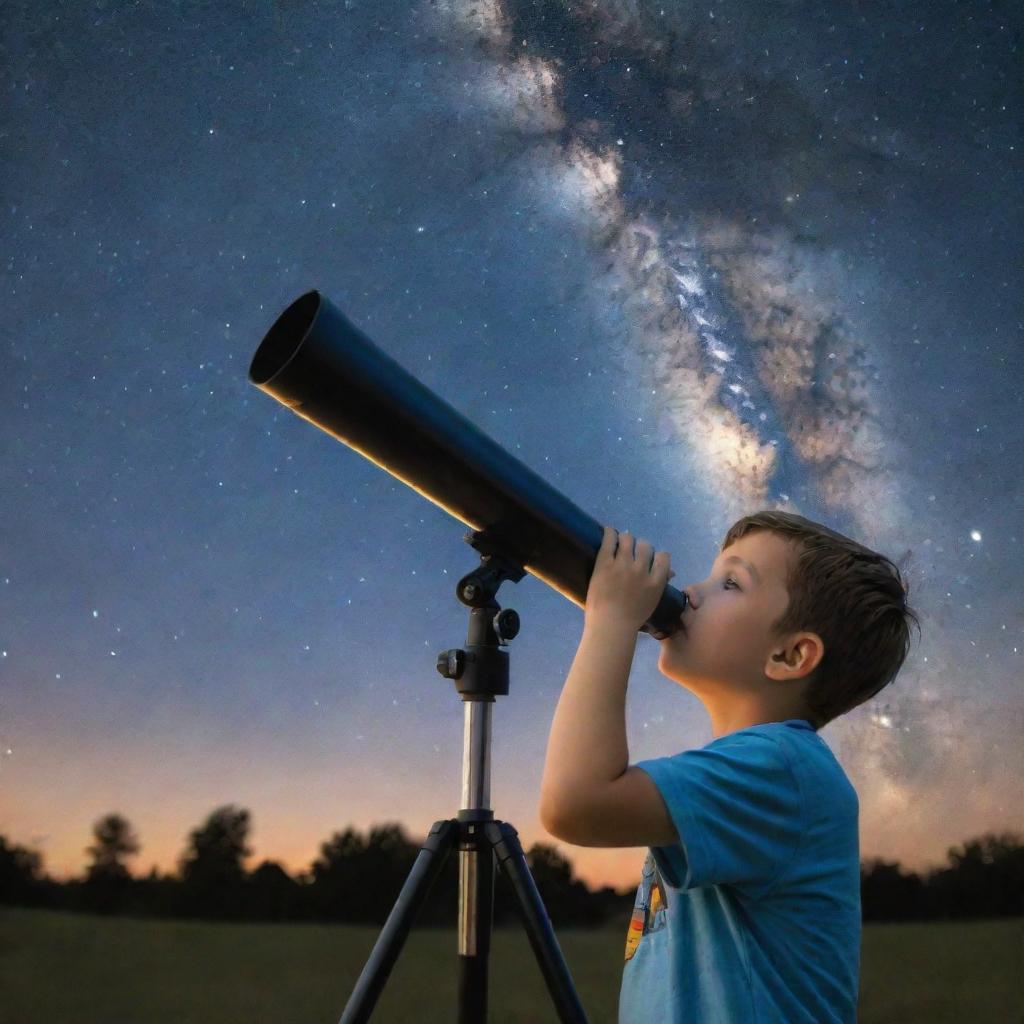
(798, 657)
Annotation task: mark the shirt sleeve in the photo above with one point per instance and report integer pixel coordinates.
(738, 809)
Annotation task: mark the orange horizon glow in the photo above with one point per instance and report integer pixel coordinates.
(596, 868)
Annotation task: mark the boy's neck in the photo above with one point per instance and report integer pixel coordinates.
(729, 714)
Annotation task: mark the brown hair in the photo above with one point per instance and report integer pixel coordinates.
(852, 597)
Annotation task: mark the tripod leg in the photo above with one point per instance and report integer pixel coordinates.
(476, 917)
(512, 861)
(427, 866)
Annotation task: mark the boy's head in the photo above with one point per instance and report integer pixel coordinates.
(815, 626)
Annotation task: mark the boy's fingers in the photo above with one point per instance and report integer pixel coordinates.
(607, 548)
(645, 553)
(622, 543)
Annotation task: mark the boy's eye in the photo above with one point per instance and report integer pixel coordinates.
(732, 581)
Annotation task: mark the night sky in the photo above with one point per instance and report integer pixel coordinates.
(684, 261)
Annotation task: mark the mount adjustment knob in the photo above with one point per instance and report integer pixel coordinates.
(506, 624)
(451, 663)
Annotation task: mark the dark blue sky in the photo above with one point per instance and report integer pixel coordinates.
(683, 265)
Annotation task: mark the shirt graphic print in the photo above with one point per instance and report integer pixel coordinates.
(650, 908)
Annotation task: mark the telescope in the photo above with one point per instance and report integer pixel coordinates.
(316, 362)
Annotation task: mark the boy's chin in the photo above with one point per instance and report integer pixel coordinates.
(676, 673)
(674, 668)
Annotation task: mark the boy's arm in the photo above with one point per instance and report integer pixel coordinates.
(589, 794)
(587, 747)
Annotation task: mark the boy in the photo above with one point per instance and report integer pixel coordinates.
(748, 908)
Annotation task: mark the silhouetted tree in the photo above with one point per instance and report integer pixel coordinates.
(115, 841)
(336, 874)
(985, 878)
(212, 869)
(549, 868)
(274, 894)
(20, 874)
(108, 881)
(357, 880)
(567, 900)
(389, 858)
(887, 894)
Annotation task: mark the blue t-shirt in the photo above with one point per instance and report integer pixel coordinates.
(753, 917)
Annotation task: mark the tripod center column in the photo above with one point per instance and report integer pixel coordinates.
(476, 754)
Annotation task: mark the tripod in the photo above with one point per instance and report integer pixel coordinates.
(480, 673)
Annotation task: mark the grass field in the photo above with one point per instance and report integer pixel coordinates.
(59, 968)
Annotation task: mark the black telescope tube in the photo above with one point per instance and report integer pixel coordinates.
(320, 365)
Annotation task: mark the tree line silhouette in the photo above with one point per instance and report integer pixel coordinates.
(356, 879)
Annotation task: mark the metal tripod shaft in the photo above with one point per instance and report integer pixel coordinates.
(476, 862)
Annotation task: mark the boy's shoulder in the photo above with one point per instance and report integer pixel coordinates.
(792, 732)
(809, 757)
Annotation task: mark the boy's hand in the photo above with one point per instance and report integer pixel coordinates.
(626, 586)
